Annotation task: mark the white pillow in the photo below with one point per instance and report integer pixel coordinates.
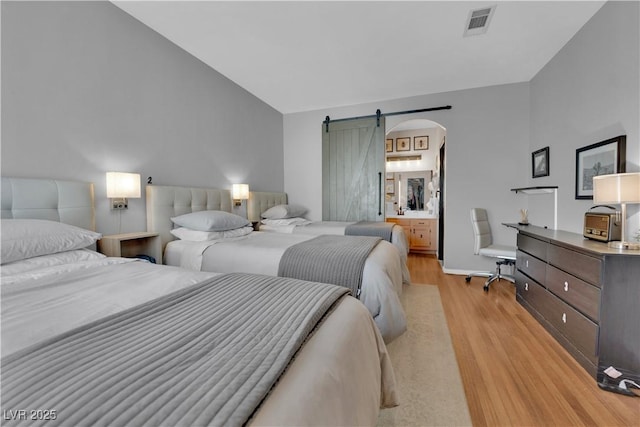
(183, 233)
(210, 221)
(286, 221)
(51, 260)
(28, 238)
(284, 211)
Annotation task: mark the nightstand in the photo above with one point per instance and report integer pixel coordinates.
(131, 245)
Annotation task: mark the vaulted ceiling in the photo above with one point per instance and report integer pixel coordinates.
(305, 55)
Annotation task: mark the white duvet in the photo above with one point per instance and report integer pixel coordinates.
(316, 228)
(260, 253)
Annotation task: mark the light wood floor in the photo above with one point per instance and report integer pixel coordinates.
(514, 373)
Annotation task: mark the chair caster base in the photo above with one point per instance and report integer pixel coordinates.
(467, 279)
(486, 288)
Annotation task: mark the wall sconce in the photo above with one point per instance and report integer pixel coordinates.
(619, 188)
(120, 186)
(239, 193)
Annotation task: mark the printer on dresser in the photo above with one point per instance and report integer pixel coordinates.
(586, 295)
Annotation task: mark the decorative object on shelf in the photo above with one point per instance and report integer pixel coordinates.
(421, 142)
(121, 186)
(602, 158)
(540, 163)
(543, 190)
(390, 186)
(524, 220)
(403, 144)
(239, 193)
(619, 188)
(388, 146)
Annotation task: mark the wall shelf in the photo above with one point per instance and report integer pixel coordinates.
(535, 190)
(543, 190)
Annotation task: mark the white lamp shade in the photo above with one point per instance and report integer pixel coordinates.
(240, 191)
(123, 185)
(617, 188)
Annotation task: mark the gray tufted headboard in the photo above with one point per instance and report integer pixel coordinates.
(164, 202)
(261, 201)
(70, 202)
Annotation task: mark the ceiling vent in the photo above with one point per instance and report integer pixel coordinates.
(478, 21)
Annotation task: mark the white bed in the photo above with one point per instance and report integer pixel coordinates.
(341, 376)
(261, 252)
(260, 201)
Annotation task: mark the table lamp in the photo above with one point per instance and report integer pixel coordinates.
(619, 188)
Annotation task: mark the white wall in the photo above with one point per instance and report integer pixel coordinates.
(487, 144)
(589, 92)
(88, 89)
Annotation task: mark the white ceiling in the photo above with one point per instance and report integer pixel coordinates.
(303, 55)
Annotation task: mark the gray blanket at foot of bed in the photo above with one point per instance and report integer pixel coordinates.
(206, 355)
(329, 259)
(380, 229)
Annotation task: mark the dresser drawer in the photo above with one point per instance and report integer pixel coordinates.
(535, 247)
(530, 290)
(577, 292)
(531, 266)
(580, 265)
(578, 329)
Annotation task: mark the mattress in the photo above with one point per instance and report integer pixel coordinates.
(260, 252)
(342, 374)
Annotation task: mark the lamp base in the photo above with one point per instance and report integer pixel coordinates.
(624, 245)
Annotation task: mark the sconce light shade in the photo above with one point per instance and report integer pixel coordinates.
(240, 191)
(619, 188)
(121, 186)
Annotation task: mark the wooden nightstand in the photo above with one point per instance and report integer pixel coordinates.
(132, 244)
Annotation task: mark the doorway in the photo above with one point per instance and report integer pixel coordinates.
(414, 152)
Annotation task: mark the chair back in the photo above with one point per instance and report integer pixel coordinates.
(481, 229)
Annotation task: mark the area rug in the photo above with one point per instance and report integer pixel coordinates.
(424, 362)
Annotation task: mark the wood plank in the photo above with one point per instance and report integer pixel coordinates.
(513, 371)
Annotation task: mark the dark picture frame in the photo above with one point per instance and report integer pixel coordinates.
(602, 158)
(540, 163)
(388, 146)
(403, 144)
(421, 142)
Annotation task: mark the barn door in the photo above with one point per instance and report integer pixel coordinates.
(353, 159)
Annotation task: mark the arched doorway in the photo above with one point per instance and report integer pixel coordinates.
(414, 184)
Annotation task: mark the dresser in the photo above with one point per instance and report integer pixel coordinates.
(421, 232)
(586, 295)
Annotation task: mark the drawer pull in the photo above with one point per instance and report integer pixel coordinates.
(526, 286)
(566, 286)
(564, 317)
(526, 263)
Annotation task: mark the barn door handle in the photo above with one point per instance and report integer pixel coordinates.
(379, 193)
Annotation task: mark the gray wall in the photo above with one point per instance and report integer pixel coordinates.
(589, 92)
(487, 145)
(88, 89)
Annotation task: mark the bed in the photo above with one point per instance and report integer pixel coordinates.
(92, 340)
(263, 253)
(292, 221)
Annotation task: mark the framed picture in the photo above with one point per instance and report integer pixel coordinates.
(540, 162)
(601, 158)
(421, 142)
(403, 144)
(390, 186)
(389, 145)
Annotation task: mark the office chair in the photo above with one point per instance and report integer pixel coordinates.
(484, 246)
